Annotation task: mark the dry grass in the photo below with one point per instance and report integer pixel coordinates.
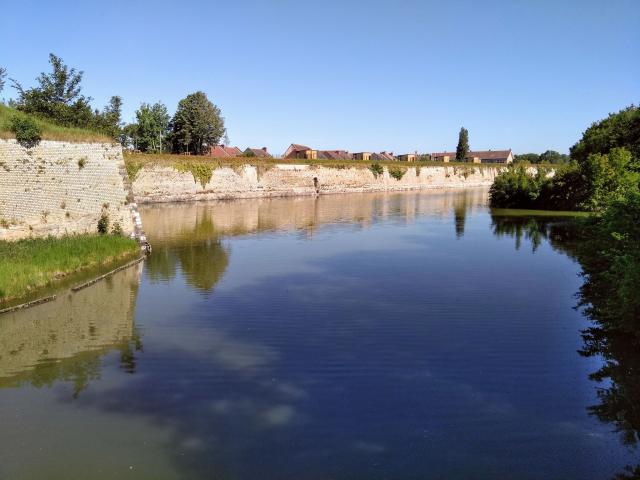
(50, 131)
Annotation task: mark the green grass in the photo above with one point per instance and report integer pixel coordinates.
(50, 131)
(32, 264)
(136, 161)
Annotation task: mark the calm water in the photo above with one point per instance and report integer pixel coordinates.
(381, 336)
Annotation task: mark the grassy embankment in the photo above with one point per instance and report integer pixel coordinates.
(32, 264)
(50, 131)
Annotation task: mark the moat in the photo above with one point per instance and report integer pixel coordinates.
(384, 335)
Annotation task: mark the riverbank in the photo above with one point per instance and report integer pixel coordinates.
(31, 265)
(171, 178)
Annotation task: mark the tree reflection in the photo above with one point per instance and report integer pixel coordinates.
(461, 204)
(198, 252)
(614, 338)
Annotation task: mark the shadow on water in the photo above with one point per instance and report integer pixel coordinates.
(618, 379)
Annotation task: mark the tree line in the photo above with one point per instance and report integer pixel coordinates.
(57, 97)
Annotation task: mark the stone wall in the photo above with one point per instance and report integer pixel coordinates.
(166, 184)
(57, 188)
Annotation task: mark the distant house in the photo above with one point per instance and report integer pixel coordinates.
(300, 151)
(488, 156)
(220, 151)
(383, 157)
(408, 157)
(334, 155)
(366, 156)
(257, 152)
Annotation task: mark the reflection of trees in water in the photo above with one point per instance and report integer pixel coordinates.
(461, 203)
(612, 338)
(198, 252)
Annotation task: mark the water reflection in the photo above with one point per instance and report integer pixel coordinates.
(347, 334)
(173, 224)
(618, 378)
(66, 338)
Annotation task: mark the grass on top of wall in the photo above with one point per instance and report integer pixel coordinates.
(136, 161)
(50, 131)
(31, 264)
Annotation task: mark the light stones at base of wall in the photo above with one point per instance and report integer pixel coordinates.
(165, 184)
(58, 188)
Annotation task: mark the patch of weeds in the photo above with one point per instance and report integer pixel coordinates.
(82, 161)
(116, 229)
(377, 169)
(103, 223)
(396, 172)
(132, 169)
(201, 173)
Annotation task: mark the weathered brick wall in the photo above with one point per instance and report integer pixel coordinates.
(56, 188)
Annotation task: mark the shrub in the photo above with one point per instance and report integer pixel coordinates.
(26, 130)
(103, 223)
(82, 162)
(116, 229)
(396, 172)
(376, 168)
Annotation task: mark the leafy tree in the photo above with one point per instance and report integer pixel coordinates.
(620, 129)
(129, 136)
(551, 156)
(3, 75)
(527, 158)
(152, 127)
(57, 96)
(108, 121)
(196, 124)
(463, 145)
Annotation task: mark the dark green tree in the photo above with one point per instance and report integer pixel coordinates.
(152, 127)
(108, 121)
(551, 156)
(463, 145)
(57, 96)
(196, 125)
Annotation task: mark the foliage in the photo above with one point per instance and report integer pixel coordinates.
(517, 188)
(82, 162)
(50, 131)
(103, 223)
(196, 124)
(377, 169)
(604, 169)
(152, 128)
(396, 172)
(58, 98)
(248, 153)
(133, 168)
(201, 172)
(463, 145)
(34, 263)
(620, 129)
(550, 156)
(26, 130)
(3, 75)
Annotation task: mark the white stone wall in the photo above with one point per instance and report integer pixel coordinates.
(58, 188)
(165, 184)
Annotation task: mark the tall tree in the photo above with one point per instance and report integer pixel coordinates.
(152, 127)
(196, 124)
(463, 145)
(108, 121)
(3, 75)
(57, 96)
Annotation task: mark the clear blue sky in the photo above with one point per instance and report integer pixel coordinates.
(359, 75)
